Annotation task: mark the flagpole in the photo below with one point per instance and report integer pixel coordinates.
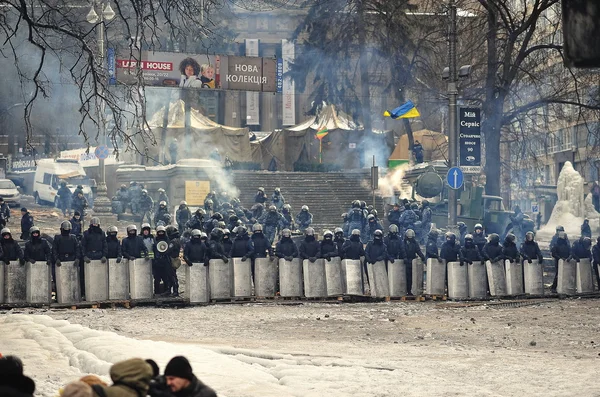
(320, 151)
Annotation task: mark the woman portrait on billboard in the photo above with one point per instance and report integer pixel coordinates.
(190, 69)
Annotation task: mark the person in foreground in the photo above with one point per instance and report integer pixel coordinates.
(182, 381)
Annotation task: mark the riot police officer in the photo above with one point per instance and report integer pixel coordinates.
(113, 245)
(304, 219)
(286, 248)
(133, 246)
(195, 250)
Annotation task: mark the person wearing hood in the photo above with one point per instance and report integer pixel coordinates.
(586, 230)
(470, 253)
(195, 250)
(394, 244)
(450, 251)
(133, 246)
(183, 215)
(182, 381)
(93, 243)
(242, 246)
(131, 378)
(492, 250)
(596, 260)
(353, 248)
(431, 247)
(113, 245)
(370, 229)
(13, 383)
(304, 219)
(479, 237)
(309, 247)
(581, 249)
(76, 227)
(10, 249)
(509, 250)
(161, 263)
(26, 223)
(327, 247)
(339, 240)
(286, 248)
(560, 250)
(530, 250)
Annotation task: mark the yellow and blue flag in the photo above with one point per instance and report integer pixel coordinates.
(406, 111)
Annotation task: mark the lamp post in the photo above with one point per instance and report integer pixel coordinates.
(102, 203)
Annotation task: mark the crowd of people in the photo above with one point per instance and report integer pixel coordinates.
(130, 378)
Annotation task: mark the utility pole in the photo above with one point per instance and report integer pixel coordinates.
(452, 114)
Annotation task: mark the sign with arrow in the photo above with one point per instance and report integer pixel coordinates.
(455, 178)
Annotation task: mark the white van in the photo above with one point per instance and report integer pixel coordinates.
(50, 172)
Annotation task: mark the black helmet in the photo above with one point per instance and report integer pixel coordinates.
(510, 237)
(494, 238)
(217, 233)
(433, 233)
(560, 228)
(63, 183)
(450, 236)
(66, 225)
(414, 206)
(241, 230)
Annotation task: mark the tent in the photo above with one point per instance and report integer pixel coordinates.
(435, 147)
(204, 135)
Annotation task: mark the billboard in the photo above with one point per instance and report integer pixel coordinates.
(288, 88)
(470, 139)
(172, 69)
(252, 98)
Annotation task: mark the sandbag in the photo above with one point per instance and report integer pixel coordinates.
(96, 281)
(68, 289)
(196, 283)
(141, 285)
(291, 280)
(39, 284)
(315, 284)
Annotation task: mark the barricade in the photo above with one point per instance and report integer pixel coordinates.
(514, 278)
(566, 277)
(333, 276)
(477, 277)
(352, 277)
(241, 277)
(39, 284)
(436, 277)
(534, 277)
(141, 285)
(265, 277)
(417, 276)
(96, 281)
(68, 289)
(378, 280)
(220, 279)
(118, 280)
(196, 283)
(315, 284)
(397, 278)
(15, 283)
(496, 278)
(458, 287)
(585, 283)
(291, 282)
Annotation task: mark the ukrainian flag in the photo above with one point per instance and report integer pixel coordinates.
(406, 111)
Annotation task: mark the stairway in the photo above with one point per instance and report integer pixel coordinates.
(327, 194)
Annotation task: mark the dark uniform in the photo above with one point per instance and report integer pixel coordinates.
(509, 250)
(470, 253)
(11, 251)
(76, 225)
(64, 198)
(450, 251)
(492, 251)
(183, 216)
(66, 248)
(4, 213)
(93, 243)
(113, 245)
(161, 263)
(560, 250)
(394, 244)
(596, 260)
(26, 223)
(195, 250)
(309, 247)
(412, 249)
(530, 249)
(133, 246)
(431, 247)
(304, 219)
(286, 248)
(327, 247)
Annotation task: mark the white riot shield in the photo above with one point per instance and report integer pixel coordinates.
(141, 284)
(315, 285)
(496, 278)
(477, 276)
(196, 283)
(220, 279)
(118, 280)
(241, 277)
(585, 283)
(265, 275)
(68, 289)
(458, 286)
(436, 277)
(514, 278)
(291, 281)
(567, 273)
(378, 280)
(534, 277)
(2, 285)
(397, 278)
(417, 277)
(15, 279)
(333, 275)
(96, 281)
(352, 276)
(39, 285)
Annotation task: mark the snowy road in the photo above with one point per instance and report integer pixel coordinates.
(323, 350)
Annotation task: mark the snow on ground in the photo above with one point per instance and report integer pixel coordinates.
(325, 350)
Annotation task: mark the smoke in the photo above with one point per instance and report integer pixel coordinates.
(392, 182)
(224, 179)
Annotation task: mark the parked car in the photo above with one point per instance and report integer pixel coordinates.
(10, 193)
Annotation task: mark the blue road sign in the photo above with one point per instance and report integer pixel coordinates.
(101, 152)
(455, 178)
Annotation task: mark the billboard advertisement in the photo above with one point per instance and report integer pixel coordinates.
(470, 140)
(173, 69)
(288, 88)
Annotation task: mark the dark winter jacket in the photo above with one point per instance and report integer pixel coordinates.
(286, 248)
(76, 227)
(146, 203)
(161, 215)
(395, 246)
(412, 249)
(450, 252)
(431, 248)
(64, 194)
(196, 389)
(426, 216)
(260, 198)
(26, 224)
(227, 244)
(242, 246)
(93, 243)
(194, 251)
(555, 239)
(262, 246)
(328, 249)
(394, 217)
(133, 247)
(353, 249)
(480, 241)
(66, 248)
(37, 249)
(510, 251)
(561, 250)
(215, 250)
(531, 250)
(579, 251)
(197, 222)
(11, 251)
(131, 378)
(339, 243)
(586, 230)
(79, 204)
(376, 251)
(596, 254)
(162, 260)
(183, 215)
(113, 247)
(470, 253)
(309, 248)
(493, 251)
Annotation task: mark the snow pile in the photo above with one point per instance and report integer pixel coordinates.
(569, 210)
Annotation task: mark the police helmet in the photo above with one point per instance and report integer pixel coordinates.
(338, 230)
(356, 232)
(287, 207)
(217, 233)
(529, 236)
(34, 229)
(161, 229)
(286, 233)
(171, 229)
(131, 228)
(226, 231)
(560, 228)
(95, 221)
(113, 229)
(425, 203)
(562, 235)
(257, 228)
(66, 225)
(144, 191)
(468, 237)
(123, 186)
(63, 183)
(208, 202)
(371, 217)
(433, 233)
(201, 211)
(277, 190)
(196, 233)
(327, 233)
(410, 233)
(356, 204)
(183, 202)
(146, 226)
(363, 204)
(241, 230)
(218, 216)
(378, 233)
(309, 231)
(261, 189)
(511, 237)
(5, 231)
(414, 206)
(203, 235)
(161, 190)
(163, 203)
(450, 236)
(478, 226)
(305, 208)
(374, 212)
(272, 208)
(393, 228)
(461, 225)
(132, 183)
(494, 238)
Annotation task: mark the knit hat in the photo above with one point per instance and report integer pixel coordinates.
(77, 389)
(23, 209)
(179, 367)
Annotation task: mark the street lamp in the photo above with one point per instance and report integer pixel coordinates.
(102, 204)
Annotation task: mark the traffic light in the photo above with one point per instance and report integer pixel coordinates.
(581, 30)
